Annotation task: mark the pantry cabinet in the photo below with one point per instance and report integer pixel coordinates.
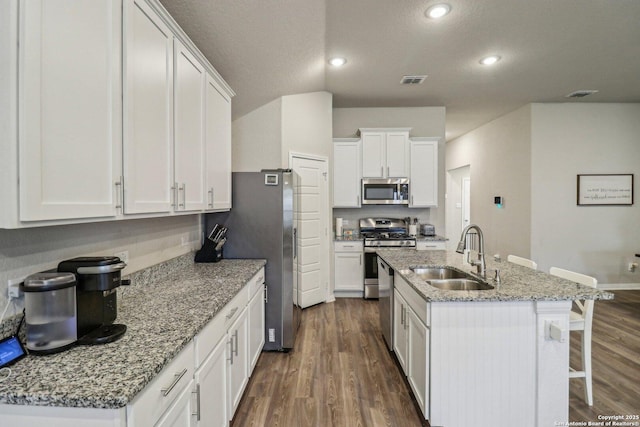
(69, 103)
(385, 152)
(347, 173)
(423, 187)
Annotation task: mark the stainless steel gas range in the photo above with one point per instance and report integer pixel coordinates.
(381, 233)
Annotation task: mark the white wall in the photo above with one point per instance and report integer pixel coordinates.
(257, 139)
(149, 242)
(423, 121)
(571, 139)
(306, 124)
(499, 156)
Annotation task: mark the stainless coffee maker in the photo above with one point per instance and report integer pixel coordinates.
(96, 297)
(50, 311)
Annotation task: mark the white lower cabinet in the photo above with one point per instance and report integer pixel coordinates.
(418, 360)
(400, 329)
(256, 326)
(348, 267)
(211, 380)
(412, 340)
(156, 402)
(431, 245)
(238, 367)
(180, 414)
(225, 349)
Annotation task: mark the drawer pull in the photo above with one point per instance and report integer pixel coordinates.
(231, 313)
(176, 379)
(197, 393)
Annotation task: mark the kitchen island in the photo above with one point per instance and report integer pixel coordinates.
(496, 357)
(164, 308)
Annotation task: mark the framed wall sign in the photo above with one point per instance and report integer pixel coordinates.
(608, 189)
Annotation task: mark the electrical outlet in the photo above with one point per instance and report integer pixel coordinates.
(124, 256)
(13, 288)
(272, 335)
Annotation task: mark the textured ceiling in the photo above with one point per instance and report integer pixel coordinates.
(269, 48)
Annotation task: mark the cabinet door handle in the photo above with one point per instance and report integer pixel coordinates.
(412, 199)
(230, 359)
(197, 393)
(401, 314)
(388, 171)
(266, 294)
(119, 197)
(165, 391)
(360, 259)
(211, 197)
(182, 189)
(174, 195)
(235, 335)
(381, 170)
(231, 313)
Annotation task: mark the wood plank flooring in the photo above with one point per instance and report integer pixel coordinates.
(615, 359)
(340, 372)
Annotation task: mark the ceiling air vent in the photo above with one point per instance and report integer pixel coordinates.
(412, 80)
(580, 93)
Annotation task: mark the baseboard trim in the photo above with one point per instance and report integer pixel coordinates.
(331, 298)
(619, 286)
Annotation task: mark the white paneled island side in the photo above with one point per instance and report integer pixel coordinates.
(496, 357)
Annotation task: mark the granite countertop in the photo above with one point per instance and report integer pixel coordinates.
(164, 308)
(517, 283)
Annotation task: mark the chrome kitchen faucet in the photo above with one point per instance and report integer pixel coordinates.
(480, 262)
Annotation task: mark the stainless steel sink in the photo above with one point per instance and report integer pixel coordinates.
(460, 285)
(438, 273)
(449, 279)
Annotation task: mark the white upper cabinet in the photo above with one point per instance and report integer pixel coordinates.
(103, 117)
(148, 95)
(346, 173)
(423, 181)
(385, 153)
(189, 153)
(69, 109)
(217, 146)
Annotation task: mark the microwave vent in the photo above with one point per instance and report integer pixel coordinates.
(412, 80)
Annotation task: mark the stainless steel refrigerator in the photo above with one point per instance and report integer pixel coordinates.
(262, 223)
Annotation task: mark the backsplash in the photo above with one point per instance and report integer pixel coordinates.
(350, 217)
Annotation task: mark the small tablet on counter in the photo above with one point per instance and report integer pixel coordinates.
(11, 350)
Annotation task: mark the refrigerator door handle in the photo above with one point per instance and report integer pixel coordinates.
(295, 243)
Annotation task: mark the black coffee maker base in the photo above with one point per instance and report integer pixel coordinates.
(104, 334)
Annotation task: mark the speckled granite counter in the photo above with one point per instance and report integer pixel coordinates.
(164, 308)
(518, 283)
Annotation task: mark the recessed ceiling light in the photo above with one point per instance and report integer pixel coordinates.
(490, 60)
(337, 61)
(438, 11)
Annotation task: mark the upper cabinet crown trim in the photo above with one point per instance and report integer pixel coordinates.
(188, 43)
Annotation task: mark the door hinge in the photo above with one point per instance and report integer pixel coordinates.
(325, 175)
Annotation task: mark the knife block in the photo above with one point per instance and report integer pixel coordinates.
(208, 252)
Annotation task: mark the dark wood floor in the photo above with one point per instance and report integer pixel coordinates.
(341, 374)
(615, 360)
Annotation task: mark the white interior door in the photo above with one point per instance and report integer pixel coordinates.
(466, 201)
(312, 212)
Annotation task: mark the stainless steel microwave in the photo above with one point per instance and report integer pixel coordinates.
(392, 191)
